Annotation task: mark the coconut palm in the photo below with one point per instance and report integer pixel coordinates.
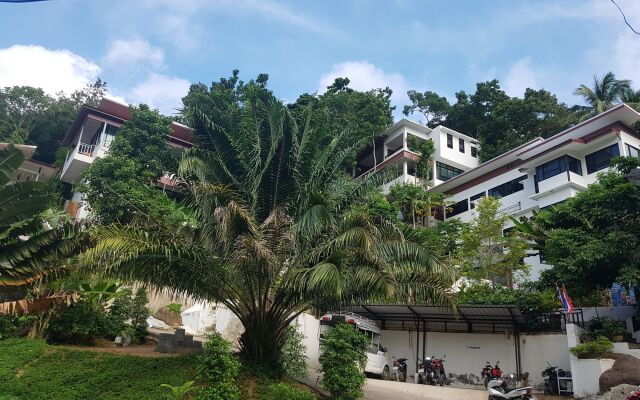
(605, 93)
(275, 233)
(632, 98)
(29, 247)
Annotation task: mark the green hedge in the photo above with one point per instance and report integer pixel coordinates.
(597, 349)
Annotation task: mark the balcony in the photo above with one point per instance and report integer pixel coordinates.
(564, 180)
(79, 160)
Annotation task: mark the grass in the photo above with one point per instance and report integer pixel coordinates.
(33, 370)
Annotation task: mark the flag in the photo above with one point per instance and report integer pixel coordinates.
(564, 298)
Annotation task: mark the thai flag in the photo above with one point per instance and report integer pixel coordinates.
(565, 299)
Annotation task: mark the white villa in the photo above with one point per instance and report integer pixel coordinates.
(533, 176)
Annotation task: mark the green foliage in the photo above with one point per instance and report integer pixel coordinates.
(23, 207)
(78, 324)
(590, 234)
(175, 308)
(532, 303)
(377, 207)
(599, 348)
(487, 253)
(219, 369)
(606, 327)
(281, 391)
(625, 164)
(294, 358)
(432, 106)
(7, 327)
(54, 373)
(121, 184)
(343, 358)
(604, 94)
(415, 203)
(181, 392)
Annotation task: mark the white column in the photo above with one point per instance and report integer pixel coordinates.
(405, 171)
(404, 139)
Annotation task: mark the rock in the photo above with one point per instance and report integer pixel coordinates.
(169, 317)
(155, 323)
(626, 369)
(621, 392)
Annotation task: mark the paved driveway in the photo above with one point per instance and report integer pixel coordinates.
(376, 389)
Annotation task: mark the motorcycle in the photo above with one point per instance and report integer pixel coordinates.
(400, 369)
(634, 395)
(439, 375)
(550, 376)
(497, 389)
(425, 370)
(489, 372)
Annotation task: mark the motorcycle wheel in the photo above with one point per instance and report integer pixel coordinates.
(385, 374)
(442, 379)
(436, 378)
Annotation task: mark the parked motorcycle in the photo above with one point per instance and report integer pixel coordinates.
(439, 375)
(489, 372)
(400, 369)
(497, 389)
(634, 395)
(425, 370)
(550, 376)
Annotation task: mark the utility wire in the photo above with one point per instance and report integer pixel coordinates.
(625, 18)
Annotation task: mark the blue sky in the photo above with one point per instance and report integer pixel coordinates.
(150, 50)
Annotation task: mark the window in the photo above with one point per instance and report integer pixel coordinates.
(558, 166)
(474, 152)
(461, 145)
(473, 199)
(601, 159)
(632, 151)
(449, 141)
(458, 208)
(446, 172)
(511, 187)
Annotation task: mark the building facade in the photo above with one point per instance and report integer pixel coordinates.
(89, 138)
(31, 170)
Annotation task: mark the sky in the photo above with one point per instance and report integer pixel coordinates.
(150, 51)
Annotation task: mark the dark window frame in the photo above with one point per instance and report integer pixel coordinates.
(474, 152)
(635, 149)
(458, 208)
(475, 197)
(451, 171)
(557, 166)
(508, 188)
(601, 159)
(461, 145)
(449, 140)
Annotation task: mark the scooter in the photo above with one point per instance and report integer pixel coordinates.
(489, 372)
(550, 376)
(497, 389)
(400, 369)
(439, 376)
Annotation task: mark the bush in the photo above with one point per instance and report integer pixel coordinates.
(77, 324)
(7, 327)
(343, 358)
(606, 327)
(596, 349)
(294, 359)
(219, 369)
(281, 391)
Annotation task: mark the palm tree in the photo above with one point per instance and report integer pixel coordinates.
(605, 93)
(275, 233)
(632, 98)
(29, 248)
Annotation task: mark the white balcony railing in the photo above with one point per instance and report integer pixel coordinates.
(513, 208)
(86, 149)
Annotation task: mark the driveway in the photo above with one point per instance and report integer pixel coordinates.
(376, 389)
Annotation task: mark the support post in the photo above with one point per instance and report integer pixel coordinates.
(516, 337)
(417, 349)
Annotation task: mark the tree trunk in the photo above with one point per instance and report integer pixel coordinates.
(263, 338)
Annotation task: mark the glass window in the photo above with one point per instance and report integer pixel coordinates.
(446, 172)
(450, 141)
(473, 199)
(461, 145)
(458, 208)
(474, 152)
(633, 152)
(601, 159)
(507, 188)
(558, 166)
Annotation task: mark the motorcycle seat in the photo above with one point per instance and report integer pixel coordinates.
(513, 390)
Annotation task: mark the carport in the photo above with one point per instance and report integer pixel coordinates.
(464, 318)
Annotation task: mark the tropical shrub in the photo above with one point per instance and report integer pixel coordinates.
(175, 308)
(218, 369)
(294, 358)
(181, 392)
(343, 358)
(7, 327)
(281, 391)
(77, 324)
(606, 327)
(596, 349)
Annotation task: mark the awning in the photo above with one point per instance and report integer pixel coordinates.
(464, 318)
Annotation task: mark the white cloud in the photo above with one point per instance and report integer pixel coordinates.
(365, 76)
(52, 70)
(123, 53)
(160, 91)
(520, 77)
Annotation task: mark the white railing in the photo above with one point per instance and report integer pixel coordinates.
(511, 209)
(86, 149)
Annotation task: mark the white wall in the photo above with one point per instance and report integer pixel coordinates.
(309, 326)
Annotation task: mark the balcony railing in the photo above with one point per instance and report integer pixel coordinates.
(86, 149)
(511, 209)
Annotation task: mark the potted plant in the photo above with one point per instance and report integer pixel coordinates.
(615, 330)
